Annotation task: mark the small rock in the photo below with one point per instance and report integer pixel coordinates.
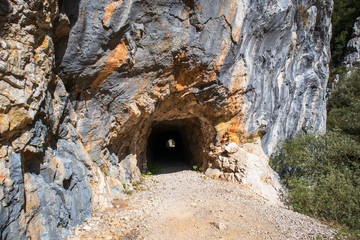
(8, 182)
(213, 173)
(219, 225)
(231, 147)
(86, 228)
(194, 205)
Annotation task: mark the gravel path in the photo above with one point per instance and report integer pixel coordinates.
(184, 204)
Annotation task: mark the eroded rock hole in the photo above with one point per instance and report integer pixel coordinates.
(175, 145)
(31, 162)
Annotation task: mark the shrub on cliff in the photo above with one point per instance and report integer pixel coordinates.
(322, 174)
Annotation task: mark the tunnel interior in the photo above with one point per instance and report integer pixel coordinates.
(167, 146)
(175, 144)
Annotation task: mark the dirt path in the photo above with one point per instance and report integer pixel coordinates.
(187, 205)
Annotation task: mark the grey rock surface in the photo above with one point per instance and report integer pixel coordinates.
(12, 199)
(275, 56)
(84, 85)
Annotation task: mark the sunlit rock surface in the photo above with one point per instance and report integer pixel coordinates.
(84, 84)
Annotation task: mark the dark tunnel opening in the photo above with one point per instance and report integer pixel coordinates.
(167, 146)
(175, 145)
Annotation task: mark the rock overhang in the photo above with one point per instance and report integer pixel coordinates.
(240, 77)
(244, 75)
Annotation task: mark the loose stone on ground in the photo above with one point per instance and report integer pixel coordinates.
(187, 205)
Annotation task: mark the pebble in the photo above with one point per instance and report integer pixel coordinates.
(219, 225)
(86, 228)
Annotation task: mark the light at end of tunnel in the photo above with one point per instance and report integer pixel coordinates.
(170, 143)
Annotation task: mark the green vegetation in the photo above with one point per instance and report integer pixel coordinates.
(154, 169)
(343, 18)
(344, 106)
(128, 192)
(104, 170)
(348, 234)
(322, 172)
(138, 185)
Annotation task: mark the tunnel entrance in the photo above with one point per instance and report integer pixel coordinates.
(166, 148)
(175, 145)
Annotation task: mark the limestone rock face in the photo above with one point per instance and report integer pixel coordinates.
(352, 57)
(89, 87)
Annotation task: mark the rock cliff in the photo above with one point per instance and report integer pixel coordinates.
(352, 57)
(86, 85)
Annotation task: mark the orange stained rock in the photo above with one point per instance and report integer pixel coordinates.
(43, 47)
(263, 179)
(88, 145)
(231, 130)
(222, 56)
(114, 60)
(109, 10)
(236, 34)
(231, 9)
(230, 14)
(198, 7)
(4, 123)
(186, 78)
(34, 229)
(45, 43)
(31, 208)
(32, 203)
(18, 117)
(58, 166)
(235, 127)
(222, 7)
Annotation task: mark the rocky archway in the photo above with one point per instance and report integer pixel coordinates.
(175, 143)
(176, 117)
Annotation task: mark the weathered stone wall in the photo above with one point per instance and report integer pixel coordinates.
(44, 174)
(352, 57)
(84, 82)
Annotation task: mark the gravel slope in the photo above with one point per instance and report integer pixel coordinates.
(184, 204)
